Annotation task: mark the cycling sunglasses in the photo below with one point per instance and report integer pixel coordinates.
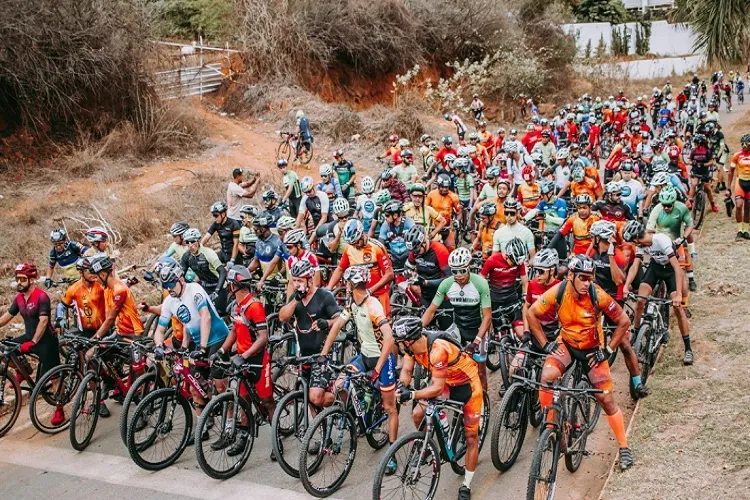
(667, 205)
(169, 286)
(586, 278)
(540, 270)
(459, 272)
(511, 213)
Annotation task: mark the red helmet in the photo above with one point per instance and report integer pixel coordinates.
(673, 152)
(27, 269)
(528, 173)
(393, 138)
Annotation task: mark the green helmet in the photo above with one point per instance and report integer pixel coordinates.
(668, 195)
(382, 197)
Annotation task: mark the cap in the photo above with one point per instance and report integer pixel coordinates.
(236, 172)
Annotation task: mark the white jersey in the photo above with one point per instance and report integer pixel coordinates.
(186, 309)
(661, 250)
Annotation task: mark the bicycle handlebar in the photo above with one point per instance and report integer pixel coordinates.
(649, 298)
(555, 387)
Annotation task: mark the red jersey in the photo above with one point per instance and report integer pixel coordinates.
(374, 256)
(501, 276)
(440, 156)
(305, 255)
(533, 292)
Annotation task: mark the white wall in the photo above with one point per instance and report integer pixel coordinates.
(666, 39)
(647, 69)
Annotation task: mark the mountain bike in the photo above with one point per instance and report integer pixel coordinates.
(652, 334)
(291, 142)
(502, 335)
(11, 397)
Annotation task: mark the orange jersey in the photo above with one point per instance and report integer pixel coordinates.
(445, 205)
(119, 298)
(581, 229)
(741, 161)
(529, 195)
(588, 186)
(438, 359)
(579, 319)
(374, 256)
(89, 303)
(486, 233)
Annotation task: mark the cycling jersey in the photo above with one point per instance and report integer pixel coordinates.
(316, 206)
(535, 290)
(581, 229)
(613, 212)
(587, 186)
(486, 233)
(445, 151)
(118, 297)
(88, 302)
(700, 156)
(204, 264)
(369, 317)
(32, 310)
(502, 276)
(438, 360)
(432, 266)
(67, 258)
(661, 250)
(555, 213)
(632, 194)
(425, 216)
(274, 214)
(292, 179)
(305, 255)
(670, 223)
(266, 250)
(248, 318)
(229, 230)
(464, 185)
(344, 170)
(741, 160)
(528, 195)
(507, 232)
(548, 151)
(487, 192)
(393, 236)
(405, 173)
(603, 274)
(187, 307)
(366, 208)
(397, 189)
(331, 182)
(467, 301)
(373, 256)
(322, 305)
(444, 204)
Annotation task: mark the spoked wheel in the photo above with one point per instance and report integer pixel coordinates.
(534, 406)
(304, 155)
(543, 471)
(509, 429)
(288, 429)
(699, 207)
(641, 346)
(227, 448)
(493, 356)
(10, 402)
(417, 469)
(506, 358)
(52, 398)
(85, 412)
(578, 415)
(159, 442)
(331, 444)
(142, 386)
(484, 422)
(284, 151)
(378, 437)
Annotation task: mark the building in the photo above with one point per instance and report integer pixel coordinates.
(644, 5)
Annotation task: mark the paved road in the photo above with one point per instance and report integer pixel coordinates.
(35, 465)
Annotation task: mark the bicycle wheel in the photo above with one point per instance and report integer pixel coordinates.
(506, 358)
(417, 475)
(534, 406)
(284, 151)
(305, 155)
(287, 430)
(458, 445)
(55, 389)
(577, 415)
(484, 421)
(85, 412)
(493, 356)
(149, 327)
(216, 455)
(10, 401)
(168, 420)
(331, 442)
(378, 437)
(509, 429)
(143, 385)
(642, 351)
(699, 207)
(543, 470)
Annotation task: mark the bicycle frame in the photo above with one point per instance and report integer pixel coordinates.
(352, 385)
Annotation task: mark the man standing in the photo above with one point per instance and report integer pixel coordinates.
(238, 189)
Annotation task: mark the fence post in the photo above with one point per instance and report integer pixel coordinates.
(200, 69)
(229, 62)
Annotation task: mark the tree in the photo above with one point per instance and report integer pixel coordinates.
(587, 52)
(601, 11)
(601, 47)
(722, 27)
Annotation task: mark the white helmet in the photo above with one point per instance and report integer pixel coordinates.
(295, 236)
(325, 169)
(660, 179)
(285, 223)
(368, 185)
(191, 235)
(402, 143)
(459, 258)
(546, 258)
(357, 275)
(341, 206)
(306, 184)
(463, 152)
(603, 229)
(563, 153)
(511, 147)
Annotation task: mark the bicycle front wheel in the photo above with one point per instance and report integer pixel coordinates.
(509, 429)
(54, 393)
(288, 428)
(493, 356)
(331, 443)
(85, 412)
(417, 469)
(284, 151)
(543, 471)
(143, 385)
(305, 155)
(578, 415)
(641, 346)
(10, 402)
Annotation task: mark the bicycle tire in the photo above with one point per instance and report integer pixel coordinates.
(484, 422)
(305, 156)
(641, 348)
(414, 440)
(17, 402)
(457, 441)
(283, 151)
(208, 412)
(84, 403)
(505, 361)
(149, 327)
(67, 397)
(159, 399)
(377, 412)
(699, 206)
(336, 414)
(493, 357)
(579, 419)
(514, 402)
(285, 459)
(142, 386)
(536, 414)
(548, 441)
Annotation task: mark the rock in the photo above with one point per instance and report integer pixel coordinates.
(720, 288)
(356, 137)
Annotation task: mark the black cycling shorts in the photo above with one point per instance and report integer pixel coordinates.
(461, 393)
(701, 173)
(656, 273)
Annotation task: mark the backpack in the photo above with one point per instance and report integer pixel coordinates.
(432, 336)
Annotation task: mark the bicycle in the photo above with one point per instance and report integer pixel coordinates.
(652, 334)
(502, 335)
(291, 142)
(11, 398)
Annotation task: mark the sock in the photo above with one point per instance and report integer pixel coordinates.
(686, 341)
(636, 380)
(740, 226)
(690, 275)
(545, 398)
(468, 476)
(618, 427)
(691, 248)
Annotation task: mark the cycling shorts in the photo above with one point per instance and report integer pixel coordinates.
(468, 337)
(47, 350)
(656, 273)
(701, 173)
(261, 377)
(473, 400)
(599, 376)
(742, 191)
(387, 377)
(318, 377)
(465, 203)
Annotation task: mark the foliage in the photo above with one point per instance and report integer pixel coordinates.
(190, 18)
(620, 40)
(722, 27)
(642, 38)
(601, 47)
(601, 11)
(587, 51)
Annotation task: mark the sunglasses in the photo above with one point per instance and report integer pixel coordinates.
(586, 278)
(511, 213)
(540, 271)
(459, 272)
(342, 217)
(169, 286)
(417, 195)
(668, 205)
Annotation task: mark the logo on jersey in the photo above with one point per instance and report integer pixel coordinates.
(626, 191)
(198, 299)
(183, 313)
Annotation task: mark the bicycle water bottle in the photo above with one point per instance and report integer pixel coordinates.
(443, 417)
(368, 401)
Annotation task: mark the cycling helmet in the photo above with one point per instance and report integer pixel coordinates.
(513, 131)
(249, 211)
(402, 143)
(282, 163)
(97, 234)
(745, 140)
(583, 199)
(511, 147)
(546, 258)
(58, 235)
(424, 137)
(414, 237)
(581, 264)
(393, 207)
(474, 136)
(248, 236)
(613, 187)
(660, 179)
(570, 117)
(382, 197)
(489, 209)
(306, 184)
(668, 195)
(407, 328)
(462, 164)
(27, 269)
(627, 166)
(285, 223)
(178, 228)
(459, 258)
(368, 185)
(418, 187)
(527, 174)
(263, 221)
(338, 153)
(302, 269)
(239, 276)
(450, 158)
(406, 153)
(510, 204)
(353, 231)
(578, 173)
(170, 272)
(492, 172)
(357, 275)
(447, 140)
(393, 138)
(386, 174)
(191, 235)
(515, 250)
(447, 116)
(270, 194)
(659, 164)
(673, 152)
(709, 126)
(563, 153)
(700, 139)
(101, 262)
(632, 230)
(443, 181)
(341, 206)
(295, 237)
(604, 229)
(219, 207)
(547, 187)
(83, 263)
(482, 124)
(433, 145)
(544, 122)
(545, 133)
(325, 170)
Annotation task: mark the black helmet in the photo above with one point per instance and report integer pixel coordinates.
(489, 209)
(262, 221)
(443, 181)
(407, 328)
(745, 139)
(581, 264)
(178, 228)
(447, 140)
(239, 276)
(393, 207)
(100, 262)
(414, 237)
(219, 207)
(270, 194)
(58, 235)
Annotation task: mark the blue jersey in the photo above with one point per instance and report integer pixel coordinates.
(393, 237)
(68, 257)
(336, 186)
(555, 213)
(266, 250)
(187, 308)
(304, 129)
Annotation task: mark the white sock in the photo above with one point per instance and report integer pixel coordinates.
(468, 476)
(690, 274)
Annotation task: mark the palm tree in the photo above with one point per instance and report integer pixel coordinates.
(722, 27)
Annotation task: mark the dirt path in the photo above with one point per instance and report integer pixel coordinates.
(690, 437)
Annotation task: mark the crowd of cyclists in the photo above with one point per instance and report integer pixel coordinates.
(412, 280)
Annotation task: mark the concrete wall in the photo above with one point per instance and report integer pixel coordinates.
(666, 39)
(647, 69)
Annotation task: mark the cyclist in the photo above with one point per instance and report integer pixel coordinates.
(87, 297)
(292, 191)
(423, 215)
(631, 188)
(546, 147)
(702, 159)
(477, 107)
(393, 230)
(270, 252)
(552, 210)
(272, 211)
(459, 123)
(545, 277)
(512, 229)
(664, 267)
(328, 179)
(366, 202)
(239, 189)
(452, 372)
(579, 305)
(65, 253)
(502, 271)
(363, 251)
(313, 309)
(469, 294)
(528, 192)
(303, 131)
(228, 231)
(248, 241)
(580, 184)
(315, 204)
(209, 270)
(376, 341)
(341, 210)
(178, 247)
(740, 167)
(463, 182)
(488, 224)
(610, 263)
(446, 203)
(345, 173)
(394, 186)
(429, 259)
(441, 157)
(406, 172)
(295, 245)
(611, 207)
(98, 239)
(579, 224)
(284, 225)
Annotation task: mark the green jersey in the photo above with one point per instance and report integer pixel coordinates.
(344, 170)
(405, 173)
(291, 179)
(464, 186)
(487, 193)
(467, 301)
(670, 223)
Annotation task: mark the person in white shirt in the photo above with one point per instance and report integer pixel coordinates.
(238, 189)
